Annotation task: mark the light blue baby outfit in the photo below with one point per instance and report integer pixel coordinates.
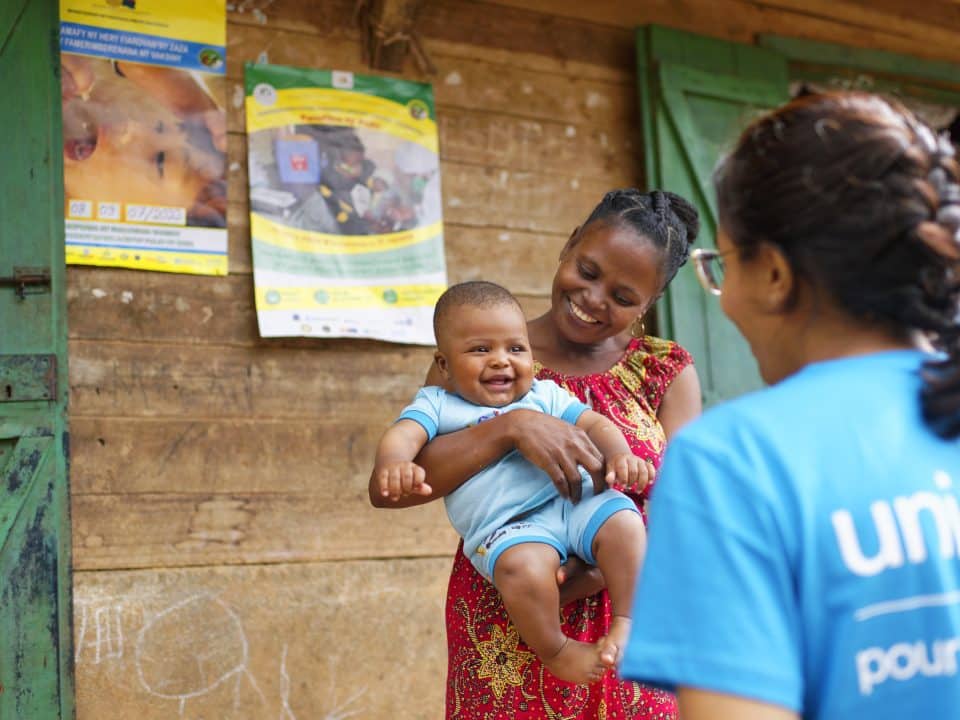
(513, 501)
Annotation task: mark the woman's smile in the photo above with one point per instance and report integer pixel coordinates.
(581, 314)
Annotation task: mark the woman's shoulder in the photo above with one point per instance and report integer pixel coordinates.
(654, 360)
(646, 361)
(657, 350)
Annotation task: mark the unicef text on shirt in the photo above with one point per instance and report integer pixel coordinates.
(905, 513)
(904, 661)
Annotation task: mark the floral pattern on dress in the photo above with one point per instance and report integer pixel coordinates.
(492, 674)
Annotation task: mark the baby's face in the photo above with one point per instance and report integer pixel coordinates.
(485, 354)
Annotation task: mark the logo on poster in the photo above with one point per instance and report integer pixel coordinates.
(342, 80)
(265, 94)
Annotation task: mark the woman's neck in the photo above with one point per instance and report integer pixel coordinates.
(852, 341)
(832, 335)
(556, 352)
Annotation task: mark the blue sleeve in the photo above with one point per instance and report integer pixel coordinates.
(558, 402)
(425, 410)
(716, 606)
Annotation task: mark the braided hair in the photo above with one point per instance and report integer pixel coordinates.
(668, 221)
(863, 200)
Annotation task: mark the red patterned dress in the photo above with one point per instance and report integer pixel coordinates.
(492, 674)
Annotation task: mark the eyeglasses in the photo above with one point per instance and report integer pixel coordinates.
(708, 264)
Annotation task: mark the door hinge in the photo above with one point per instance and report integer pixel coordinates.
(28, 281)
(28, 377)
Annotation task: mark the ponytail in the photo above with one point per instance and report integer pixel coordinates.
(864, 201)
(941, 393)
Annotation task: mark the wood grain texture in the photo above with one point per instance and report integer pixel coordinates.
(230, 471)
(844, 21)
(337, 380)
(463, 82)
(129, 456)
(168, 529)
(120, 305)
(457, 28)
(324, 640)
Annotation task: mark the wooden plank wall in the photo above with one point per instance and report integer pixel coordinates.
(227, 562)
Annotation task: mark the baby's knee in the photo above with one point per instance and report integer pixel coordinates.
(525, 564)
(625, 528)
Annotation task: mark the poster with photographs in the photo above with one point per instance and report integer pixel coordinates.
(345, 210)
(144, 134)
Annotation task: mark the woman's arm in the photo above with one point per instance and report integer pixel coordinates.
(703, 705)
(450, 460)
(554, 445)
(681, 402)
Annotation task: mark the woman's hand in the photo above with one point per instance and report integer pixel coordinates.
(577, 580)
(553, 445)
(556, 447)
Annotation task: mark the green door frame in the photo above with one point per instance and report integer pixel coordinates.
(678, 71)
(900, 75)
(36, 637)
(695, 92)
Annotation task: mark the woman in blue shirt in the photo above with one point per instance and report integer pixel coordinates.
(804, 551)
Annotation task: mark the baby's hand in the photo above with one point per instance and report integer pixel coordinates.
(400, 478)
(628, 471)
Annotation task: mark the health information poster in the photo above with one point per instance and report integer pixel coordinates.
(144, 134)
(345, 210)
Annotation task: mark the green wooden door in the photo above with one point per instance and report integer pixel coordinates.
(696, 93)
(35, 612)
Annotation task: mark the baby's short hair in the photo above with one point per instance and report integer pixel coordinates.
(474, 293)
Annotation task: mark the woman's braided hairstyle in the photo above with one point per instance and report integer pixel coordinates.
(864, 201)
(663, 218)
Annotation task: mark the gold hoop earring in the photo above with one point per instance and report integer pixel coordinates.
(638, 329)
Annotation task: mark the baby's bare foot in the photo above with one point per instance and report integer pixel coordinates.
(611, 647)
(576, 662)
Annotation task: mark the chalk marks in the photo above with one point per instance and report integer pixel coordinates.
(340, 710)
(194, 654)
(286, 712)
(191, 648)
(100, 631)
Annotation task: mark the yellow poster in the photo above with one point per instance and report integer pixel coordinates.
(144, 134)
(345, 205)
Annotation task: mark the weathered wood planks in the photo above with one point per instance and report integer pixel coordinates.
(320, 640)
(219, 479)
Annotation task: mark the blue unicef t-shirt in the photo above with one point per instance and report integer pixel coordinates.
(804, 550)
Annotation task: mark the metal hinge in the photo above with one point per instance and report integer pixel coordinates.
(28, 281)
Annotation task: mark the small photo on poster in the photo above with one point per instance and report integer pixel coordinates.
(143, 90)
(145, 136)
(342, 180)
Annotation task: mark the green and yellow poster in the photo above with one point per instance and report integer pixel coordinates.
(345, 208)
(144, 134)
